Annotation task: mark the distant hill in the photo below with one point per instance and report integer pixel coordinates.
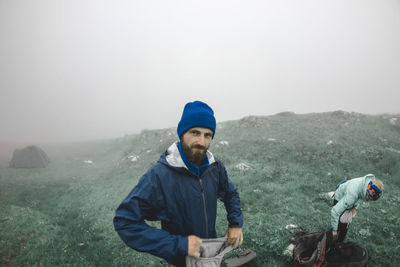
(283, 165)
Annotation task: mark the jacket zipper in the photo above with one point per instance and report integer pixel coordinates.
(204, 203)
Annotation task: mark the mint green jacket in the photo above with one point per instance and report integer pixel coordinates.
(349, 195)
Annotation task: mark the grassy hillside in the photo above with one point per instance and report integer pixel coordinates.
(62, 215)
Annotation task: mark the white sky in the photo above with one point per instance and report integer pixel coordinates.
(89, 69)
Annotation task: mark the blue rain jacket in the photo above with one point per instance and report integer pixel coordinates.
(186, 204)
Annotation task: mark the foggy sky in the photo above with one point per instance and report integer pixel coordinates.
(80, 70)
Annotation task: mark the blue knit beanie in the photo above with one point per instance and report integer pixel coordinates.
(196, 114)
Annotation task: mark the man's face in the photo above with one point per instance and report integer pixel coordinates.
(195, 143)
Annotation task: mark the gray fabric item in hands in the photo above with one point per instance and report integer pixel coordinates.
(211, 253)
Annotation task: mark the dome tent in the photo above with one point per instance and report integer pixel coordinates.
(29, 157)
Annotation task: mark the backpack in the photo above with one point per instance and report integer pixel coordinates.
(310, 249)
(346, 254)
(211, 253)
(319, 250)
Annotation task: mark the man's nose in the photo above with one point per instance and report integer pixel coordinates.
(201, 140)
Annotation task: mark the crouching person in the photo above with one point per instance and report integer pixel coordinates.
(181, 190)
(347, 198)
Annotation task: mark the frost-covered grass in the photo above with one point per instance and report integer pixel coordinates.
(283, 165)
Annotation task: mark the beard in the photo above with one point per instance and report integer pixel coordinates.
(195, 156)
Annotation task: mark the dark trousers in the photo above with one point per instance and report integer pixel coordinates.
(342, 228)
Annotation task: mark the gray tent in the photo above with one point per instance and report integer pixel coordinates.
(29, 157)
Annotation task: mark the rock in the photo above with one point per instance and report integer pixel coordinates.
(290, 226)
(224, 143)
(243, 167)
(289, 251)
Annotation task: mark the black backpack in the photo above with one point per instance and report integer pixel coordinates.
(310, 249)
(346, 254)
(319, 250)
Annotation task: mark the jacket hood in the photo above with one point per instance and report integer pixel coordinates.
(172, 157)
(367, 178)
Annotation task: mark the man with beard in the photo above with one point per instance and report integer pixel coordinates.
(181, 191)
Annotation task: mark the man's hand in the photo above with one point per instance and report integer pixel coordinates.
(235, 236)
(194, 243)
(334, 233)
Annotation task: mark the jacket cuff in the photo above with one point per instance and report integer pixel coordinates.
(236, 224)
(183, 246)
